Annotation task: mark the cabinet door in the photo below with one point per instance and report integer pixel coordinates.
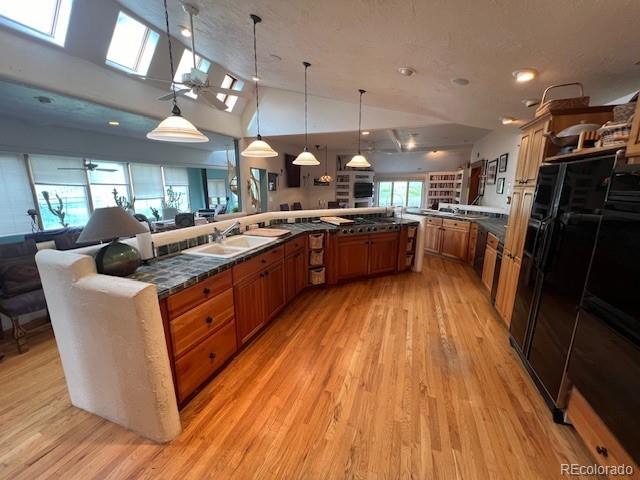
(523, 155)
(433, 238)
(489, 268)
(353, 256)
(274, 292)
(522, 221)
(507, 286)
(383, 253)
(250, 307)
(516, 200)
(290, 277)
(454, 243)
(301, 271)
(536, 154)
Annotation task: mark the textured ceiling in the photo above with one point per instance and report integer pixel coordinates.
(19, 101)
(361, 43)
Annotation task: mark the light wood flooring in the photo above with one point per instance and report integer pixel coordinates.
(406, 376)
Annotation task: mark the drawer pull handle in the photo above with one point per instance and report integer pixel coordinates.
(206, 291)
(209, 320)
(602, 451)
(212, 356)
(263, 260)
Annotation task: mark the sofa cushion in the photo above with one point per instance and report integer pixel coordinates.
(18, 249)
(24, 303)
(68, 241)
(19, 275)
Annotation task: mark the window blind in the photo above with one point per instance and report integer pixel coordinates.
(47, 170)
(147, 181)
(17, 197)
(217, 188)
(176, 176)
(100, 176)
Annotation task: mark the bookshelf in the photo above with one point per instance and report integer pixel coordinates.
(444, 187)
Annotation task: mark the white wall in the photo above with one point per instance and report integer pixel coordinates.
(494, 144)
(418, 162)
(18, 136)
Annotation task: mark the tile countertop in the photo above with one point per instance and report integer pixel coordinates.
(176, 272)
(494, 225)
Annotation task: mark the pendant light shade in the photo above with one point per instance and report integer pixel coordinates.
(359, 161)
(326, 178)
(175, 128)
(258, 148)
(306, 158)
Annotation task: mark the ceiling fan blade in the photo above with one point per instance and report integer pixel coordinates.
(227, 91)
(72, 168)
(169, 95)
(111, 170)
(211, 100)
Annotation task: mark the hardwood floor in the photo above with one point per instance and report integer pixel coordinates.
(407, 376)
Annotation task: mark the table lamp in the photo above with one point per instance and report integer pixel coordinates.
(112, 223)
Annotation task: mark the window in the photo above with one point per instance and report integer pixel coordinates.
(16, 193)
(176, 188)
(217, 190)
(185, 66)
(148, 189)
(61, 190)
(107, 177)
(44, 19)
(405, 193)
(132, 45)
(229, 100)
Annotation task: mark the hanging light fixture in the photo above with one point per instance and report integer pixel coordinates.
(326, 178)
(175, 128)
(306, 157)
(258, 148)
(359, 161)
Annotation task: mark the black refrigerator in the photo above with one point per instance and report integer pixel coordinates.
(559, 243)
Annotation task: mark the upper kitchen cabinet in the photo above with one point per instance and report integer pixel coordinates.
(535, 144)
(633, 147)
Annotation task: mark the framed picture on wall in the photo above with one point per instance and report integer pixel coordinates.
(492, 168)
(502, 164)
(500, 186)
(273, 181)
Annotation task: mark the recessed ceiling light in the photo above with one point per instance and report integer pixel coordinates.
(275, 58)
(525, 75)
(43, 99)
(434, 151)
(530, 102)
(366, 132)
(185, 31)
(406, 71)
(507, 120)
(411, 144)
(255, 79)
(114, 123)
(461, 82)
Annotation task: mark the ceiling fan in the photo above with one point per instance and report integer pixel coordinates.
(88, 166)
(195, 82)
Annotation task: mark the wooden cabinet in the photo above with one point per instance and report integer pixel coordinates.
(454, 243)
(473, 242)
(250, 307)
(383, 253)
(447, 237)
(532, 152)
(633, 145)
(295, 274)
(507, 285)
(521, 203)
(274, 294)
(353, 256)
(433, 238)
(489, 267)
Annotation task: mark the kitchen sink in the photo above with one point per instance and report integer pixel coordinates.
(230, 247)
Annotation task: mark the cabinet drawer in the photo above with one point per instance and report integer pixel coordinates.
(459, 224)
(295, 245)
(492, 240)
(434, 221)
(204, 360)
(604, 447)
(257, 263)
(191, 327)
(185, 300)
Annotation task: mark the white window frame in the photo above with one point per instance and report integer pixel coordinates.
(150, 40)
(227, 99)
(57, 34)
(406, 196)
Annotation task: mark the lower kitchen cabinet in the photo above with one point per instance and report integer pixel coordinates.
(352, 256)
(507, 285)
(274, 293)
(433, 238)
(383, 253)
(449, 238)
(455, 243)
(250, 307)
(295, 268)
(490, 257)
(473, 241)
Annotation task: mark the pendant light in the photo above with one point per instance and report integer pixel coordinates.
(306, 157)
(326, 178)
(175, 128)
(258, 148)
(359, 161)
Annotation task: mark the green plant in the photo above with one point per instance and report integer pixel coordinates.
(57, 211)
(155, 213)
(122, 201)
(173, 199)
(235, 210)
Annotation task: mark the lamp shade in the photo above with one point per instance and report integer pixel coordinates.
(176, 128)
(259, 149)
(109, 223)
(306, 158)
(325, 178)
(358, 161)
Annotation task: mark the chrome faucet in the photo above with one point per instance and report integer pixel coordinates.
(218, 236)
